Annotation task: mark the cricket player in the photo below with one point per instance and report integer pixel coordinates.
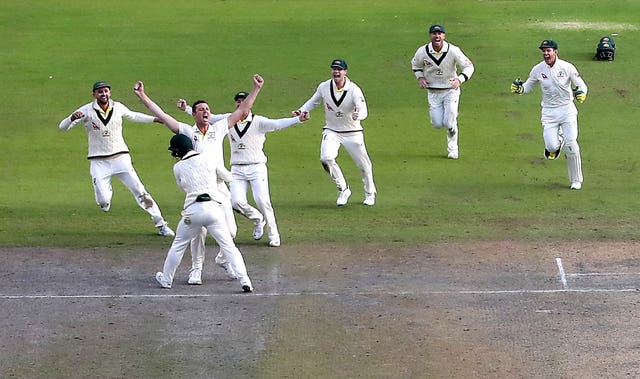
(560, 82)
(345, 107)
(435, 66)
(201, 115)
(207, 135)
(196, 177)
(249, 167)
(109, 154)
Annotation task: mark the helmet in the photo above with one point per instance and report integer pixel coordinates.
(180, 145)
(606, 49)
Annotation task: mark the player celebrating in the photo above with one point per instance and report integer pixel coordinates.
(345, 107)
(206, 136)
(559, 113)
(202, 208)
(202, 114)
(249, 167)
(435, 65)
(109, 154)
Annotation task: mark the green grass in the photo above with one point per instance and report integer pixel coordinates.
(500, 188)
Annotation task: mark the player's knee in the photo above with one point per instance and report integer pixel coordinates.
(145, 200)
(237, 206)
(327, 163)
(572, 148)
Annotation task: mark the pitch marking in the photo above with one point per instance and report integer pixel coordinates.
(563, 277)
(283, 294)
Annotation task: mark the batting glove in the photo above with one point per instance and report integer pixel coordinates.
(516, 86)
(579, 95)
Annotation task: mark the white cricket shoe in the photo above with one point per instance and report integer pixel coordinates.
(576, 185)
(343, 197)
(165, 231)
(258, 230)
(195, 276)
(369, 199)
(275, 242)
(226, 266)
(162, 280)
(452, 155)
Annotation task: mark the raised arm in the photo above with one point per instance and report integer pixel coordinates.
(169, 121)
(245, 107)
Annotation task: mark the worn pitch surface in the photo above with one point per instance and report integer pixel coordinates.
(462, 310)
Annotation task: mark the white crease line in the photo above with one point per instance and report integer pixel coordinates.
(563, 277)
(277, 294)
(604, 274)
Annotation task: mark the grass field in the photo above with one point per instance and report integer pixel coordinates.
(500, 188)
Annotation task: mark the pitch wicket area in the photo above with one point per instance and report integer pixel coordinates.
(450, 310)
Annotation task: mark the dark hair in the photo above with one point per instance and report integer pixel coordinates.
(198, 102)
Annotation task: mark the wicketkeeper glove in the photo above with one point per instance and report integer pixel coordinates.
(516, 86)
(579, 95)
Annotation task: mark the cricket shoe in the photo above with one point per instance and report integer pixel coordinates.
(343, 196)
(258, 230)
(162, 280)
(166, 231)
(554, 154)
(195, 276)
(247, 288)
(576, 185)
(452, 155)
(275, 242)
(369, 199)
(226, 266)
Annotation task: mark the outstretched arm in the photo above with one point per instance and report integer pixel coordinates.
(169, 121)
(243, 110)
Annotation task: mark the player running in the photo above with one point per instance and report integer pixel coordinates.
(559, 114)
(109, 154)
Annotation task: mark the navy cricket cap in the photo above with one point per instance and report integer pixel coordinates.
(240, 95)
(339, 63)
(436, 28)
(549, 43)
(101, 84)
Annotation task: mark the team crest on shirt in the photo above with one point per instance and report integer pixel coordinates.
(339, 114)
(106, 133)
(241, 146)
(427, 63)
(561, 74)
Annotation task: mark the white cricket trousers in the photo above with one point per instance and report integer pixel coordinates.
(198, 242)
(353, 142)
(256, 176)
(443, 112)
(210, 215)
(563, 121)
(120, 166)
